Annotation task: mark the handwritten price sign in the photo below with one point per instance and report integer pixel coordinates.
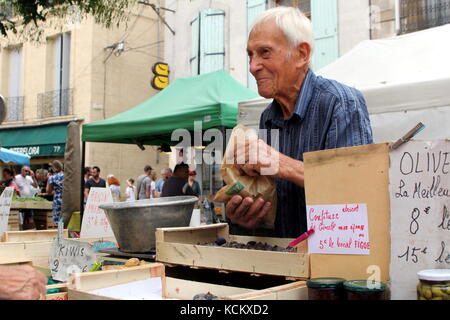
(420, 217)
(339, 229)
(5, 206)
(69, 256)
(95, 224)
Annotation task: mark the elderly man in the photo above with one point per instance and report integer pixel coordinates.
(28, 186)
(310, 113)
(165, 175)
(42, 176)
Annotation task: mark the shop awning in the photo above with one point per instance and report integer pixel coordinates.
(211, 98)
(11, 157)
(36, 141)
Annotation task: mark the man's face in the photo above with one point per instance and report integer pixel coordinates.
(272, 66)
(6, 175)
(95, 173)
(25, 171)
(167, 175)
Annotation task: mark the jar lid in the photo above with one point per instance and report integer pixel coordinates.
(364, 286)
(434, 275)
(325, 282)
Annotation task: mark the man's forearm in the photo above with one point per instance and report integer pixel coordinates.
(292, 170)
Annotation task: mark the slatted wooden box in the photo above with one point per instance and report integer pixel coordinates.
(30, 235)
(80, 286)
(180, 246)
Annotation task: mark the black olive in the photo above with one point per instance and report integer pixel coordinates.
(220, 241)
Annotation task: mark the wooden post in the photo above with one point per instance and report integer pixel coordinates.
(83, 161)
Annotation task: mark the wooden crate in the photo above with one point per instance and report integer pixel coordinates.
(14, 221)
(35, 251)
(80, 285)
(35, 205)
(16, 262)
(180, 246)
(62, 295)
(44, 220)
(31, 235)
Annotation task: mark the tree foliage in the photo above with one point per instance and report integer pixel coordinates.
(25, 17)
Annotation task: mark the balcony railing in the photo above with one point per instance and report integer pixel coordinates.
(418, 15)
(56, 103)
(14, 109)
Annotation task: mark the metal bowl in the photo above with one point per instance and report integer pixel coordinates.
(134, 223)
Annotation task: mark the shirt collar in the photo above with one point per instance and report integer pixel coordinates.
(301, 105)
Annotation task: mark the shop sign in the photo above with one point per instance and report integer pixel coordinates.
(39, 151)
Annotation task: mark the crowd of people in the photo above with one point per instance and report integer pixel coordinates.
(44, 183)
(180, 181)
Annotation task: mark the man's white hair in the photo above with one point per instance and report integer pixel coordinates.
(292, 22)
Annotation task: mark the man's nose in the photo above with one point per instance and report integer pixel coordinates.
(255, 65)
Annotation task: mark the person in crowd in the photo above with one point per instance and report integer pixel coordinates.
(22, 283)
(131, 190)
(193, 184)
(42, 176)
(165, 174)
(28, 186)
(309, 113)
(93, 182)
(153, 178)
(55, 185)
(176, 184)
(144, 183)
(114, 186)
(87, 173)
(8, 180)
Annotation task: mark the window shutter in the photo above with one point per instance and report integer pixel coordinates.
(212, 49)
(195, 30)
(15, 59)
(254, 8)
(15, 63)
(324, 20)
(62, 74)
(66, 61)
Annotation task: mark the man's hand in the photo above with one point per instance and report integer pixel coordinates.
(247, 212)
(255, 157)
(22, 283)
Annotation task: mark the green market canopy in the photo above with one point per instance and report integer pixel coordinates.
(211, 98)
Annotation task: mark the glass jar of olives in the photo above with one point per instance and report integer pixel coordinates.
(434, 284)
(326, 289)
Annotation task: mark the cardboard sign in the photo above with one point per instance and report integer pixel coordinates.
(420, 213)
(339, 229)
(352, 175)
(69, 256)
(5, 206)
(95, 224)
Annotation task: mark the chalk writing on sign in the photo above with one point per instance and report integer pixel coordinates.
(95, 223)
(69, 256)
(339, 229)
(420, 220)
(5, 206)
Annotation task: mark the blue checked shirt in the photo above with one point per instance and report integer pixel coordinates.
(327, 115)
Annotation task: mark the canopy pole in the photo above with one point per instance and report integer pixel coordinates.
(83, 161)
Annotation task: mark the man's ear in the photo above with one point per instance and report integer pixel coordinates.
(304, 53)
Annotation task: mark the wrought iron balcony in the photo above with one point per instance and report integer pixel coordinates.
(56, 103)
(418, 15)
(14, 109)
